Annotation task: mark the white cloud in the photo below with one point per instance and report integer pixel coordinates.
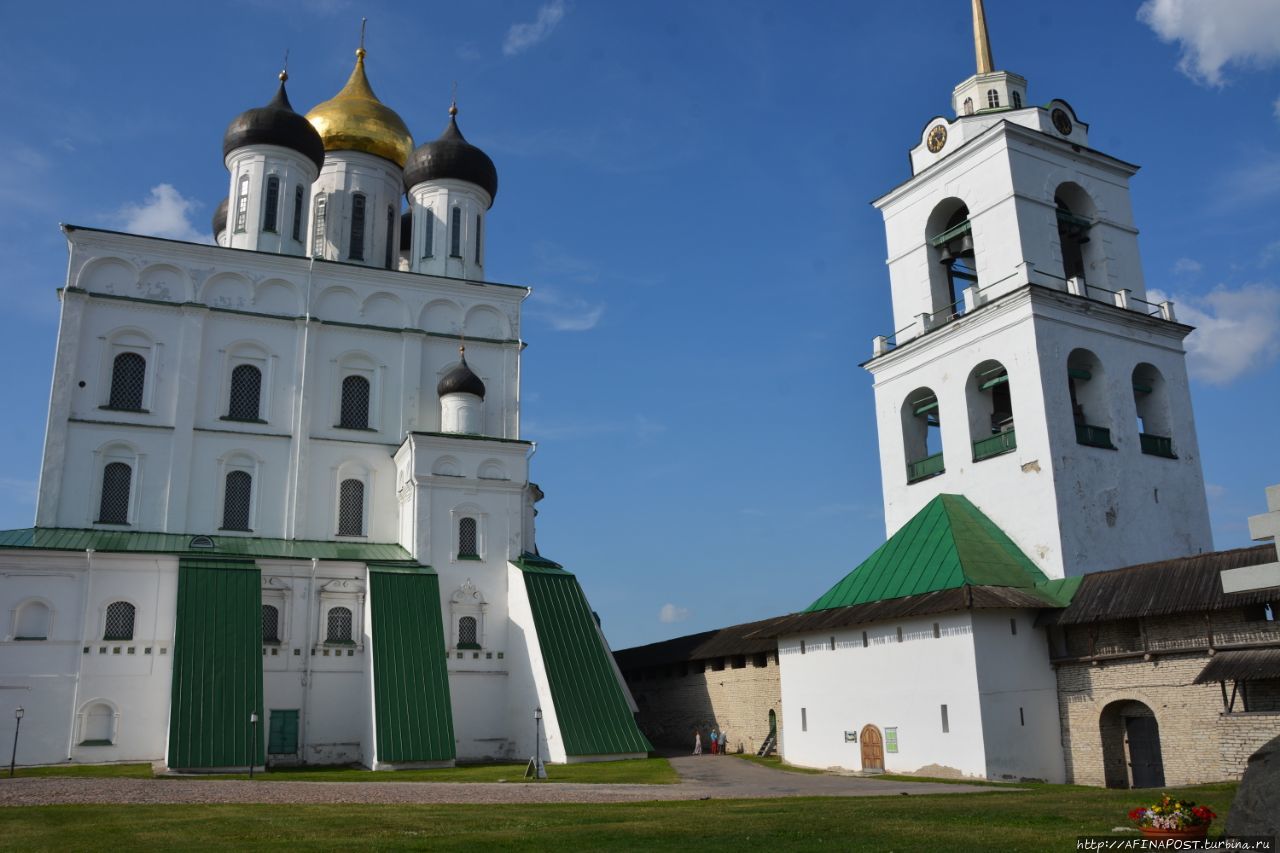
(1214, 491)
(565, 313)
(1237, 331)
(1213, 35)
(165, 213)
(521, 37)
(670, 613)
(1187, 266)
(1276, 107)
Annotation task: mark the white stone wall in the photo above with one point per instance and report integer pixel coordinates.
(436, 256)
(250, 168)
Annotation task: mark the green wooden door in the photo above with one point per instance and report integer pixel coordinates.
(283, 736)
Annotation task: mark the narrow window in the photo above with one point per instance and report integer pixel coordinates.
(272, 211)
(119, 624)
(477, 239)
(833, 644)
(1013, 626)
(355, 250)
(351, 508)
(993, 98)
(128, 379)
(298, 194)
(467, 538)
(235, 500)
(891, 739)
(804, 719)
(355, 403)
(467, 633)
(899, 633)
(937, 630)
(242, 203)
(1022, 718)
(429, 233)
(946, 723)
(391, 234)
(318, 226)
(246, 393)
(1017, 100)
(114, 505)
(339, 625)
(270, 624)
(455, 233)
(968, 106)
(802, 647)
(33, 621)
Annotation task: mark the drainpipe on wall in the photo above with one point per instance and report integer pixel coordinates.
(306, 676)
(84, 638)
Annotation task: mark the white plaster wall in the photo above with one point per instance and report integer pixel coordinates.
(440, 197)
(964, 128)
(259, 162)
(887, 684)
(344, 174)
(528, 686)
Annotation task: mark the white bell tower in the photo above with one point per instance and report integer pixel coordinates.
(1027, 371)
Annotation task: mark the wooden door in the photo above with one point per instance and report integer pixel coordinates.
(1146, 765)
(872, 748)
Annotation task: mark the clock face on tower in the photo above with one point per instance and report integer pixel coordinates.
(937, 138)
(1061, 121)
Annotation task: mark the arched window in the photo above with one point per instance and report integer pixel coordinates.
(33, 621)
(468, 538)
(990, 411)
(1151, 400)
(950, 236)
(271, 209)
(429, 233)
(355, 249)
(318, 225)
(993, 98)
(237, 500)
(455, 233)
(354, 413)
(298, 194)
(270, 623)
(1090, 408)
(351, 508)
(119, 622)
(128, 380)
(921, 435)
(1017, 99)
(246, 393)
(968, 106)
(98, 725)
(113, 505)
(242, 203)
(391, 235)
(467, 638)
(339, 625)
(477, 239)
(1075, 212)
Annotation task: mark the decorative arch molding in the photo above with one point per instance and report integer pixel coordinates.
(441, 315)
(98, 723)
(492, 469)
(467, 607)
(385, 309)
(228, 290)
(115, 451)
(485, 321)
(32, 618)
(166, 283)
(108, 275)
(446, 466)
(277, 296)
(337, 303)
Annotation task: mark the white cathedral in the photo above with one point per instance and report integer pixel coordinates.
(283, 516)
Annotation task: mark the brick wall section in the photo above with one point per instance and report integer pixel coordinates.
(738, 700)
(1198, 742)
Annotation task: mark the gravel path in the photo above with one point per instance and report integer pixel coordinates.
(701, 778)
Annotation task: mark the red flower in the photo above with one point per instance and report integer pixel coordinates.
(1203, 813)
(1136, 814)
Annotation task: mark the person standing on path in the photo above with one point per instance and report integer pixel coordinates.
(697, 742)
(724, 741)
(714, 741)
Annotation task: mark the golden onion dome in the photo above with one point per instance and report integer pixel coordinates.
(355, 120)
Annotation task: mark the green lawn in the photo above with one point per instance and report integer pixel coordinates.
(1047, 817)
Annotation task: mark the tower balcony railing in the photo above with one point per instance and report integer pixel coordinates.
(995, 445)
(1094, 436)
(1025, 273)
(923, 469)
(1156, 445)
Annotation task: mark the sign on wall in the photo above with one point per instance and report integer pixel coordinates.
(891, 739)
(850, 737)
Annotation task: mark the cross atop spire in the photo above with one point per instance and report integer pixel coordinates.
(981, 42)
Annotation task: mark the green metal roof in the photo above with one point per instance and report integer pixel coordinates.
(947, 544)
(593, 713)
(72, 539)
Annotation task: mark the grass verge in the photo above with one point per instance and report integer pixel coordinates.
(774, 762)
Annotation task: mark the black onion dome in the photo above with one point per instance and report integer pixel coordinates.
(220, 218)
(451, 156)
(275, 124)
(460, 380)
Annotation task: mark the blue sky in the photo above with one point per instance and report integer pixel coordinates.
(686, 187)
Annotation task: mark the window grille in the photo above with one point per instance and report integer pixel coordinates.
(272, 212)
(429, 237)
(119, 621)
(242, 203)
(298, 194)
(339, 625)
(1017, 100)
(391, 233)
(270, 624)
(993, 98)
(356, 250)
(351, 508)
(128, 379)
(235, 501)
(114, 505)
(318, 225)
(477, 239)
(467, 539)
(467, 632)
(455, 233)
(246, 393)
(355, 403)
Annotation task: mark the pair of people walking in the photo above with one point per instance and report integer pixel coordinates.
(719, 742)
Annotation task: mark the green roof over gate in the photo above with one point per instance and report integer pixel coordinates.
(133, 541)
(948, 544)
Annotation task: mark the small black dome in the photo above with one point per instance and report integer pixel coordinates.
(220, 218)
(275, 124)
(451, 156)
(460, 380)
